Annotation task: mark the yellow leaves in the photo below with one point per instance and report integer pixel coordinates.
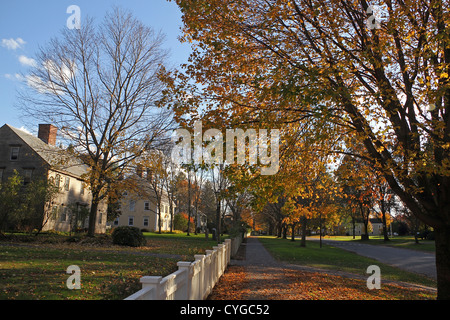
(380, 149)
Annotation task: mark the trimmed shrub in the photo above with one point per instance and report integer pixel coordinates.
(128, 236)
(180, 222)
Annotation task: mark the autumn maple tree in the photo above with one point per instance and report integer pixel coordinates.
(382, 80)
(359, 186)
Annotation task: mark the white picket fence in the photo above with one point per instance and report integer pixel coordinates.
(193, 280)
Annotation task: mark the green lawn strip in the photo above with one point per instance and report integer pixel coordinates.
(179, 243)
(405, 242)
(332, 258)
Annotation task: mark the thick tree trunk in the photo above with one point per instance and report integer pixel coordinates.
(383, 214)
(279, 230)
(93, 216)
(354, 227)
(365, 218)
(442, 240)
(303, 222)
(293, 232)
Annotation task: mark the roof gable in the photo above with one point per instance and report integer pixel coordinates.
(57, 158)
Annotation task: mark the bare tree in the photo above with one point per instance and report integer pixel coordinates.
(99, 85)
(219, 183)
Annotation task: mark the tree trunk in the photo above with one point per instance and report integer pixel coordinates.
(442, 241)
(383, 218)
(303, 241)
(385, 231)
(365, 222)
(354, 227)
(171, 215)
(93, 215)
(189, 204)
(159, 219)
(293, 232)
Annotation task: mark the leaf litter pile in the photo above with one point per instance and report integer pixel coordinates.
(255, 283)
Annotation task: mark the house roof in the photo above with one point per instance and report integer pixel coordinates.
(372, 220)
(57, 158)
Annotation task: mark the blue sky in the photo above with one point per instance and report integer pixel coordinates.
(27, 24)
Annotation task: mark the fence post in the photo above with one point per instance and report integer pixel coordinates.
(202, 275)
(216, 264)
(153, 282)
(222, 259)
(228, 243)
(186, 265)
(208, 270)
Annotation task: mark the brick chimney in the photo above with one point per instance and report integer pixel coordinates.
(140, 170)
(47, 133)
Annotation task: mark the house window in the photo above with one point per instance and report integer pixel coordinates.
(146, 205)
(66, 183)
(27, 176)
(15, 153)
(58, 180)
(146, 221)
(131, 220)
(63, 217)
(116, 222)
(132, 205)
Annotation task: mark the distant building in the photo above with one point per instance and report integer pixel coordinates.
(376, 228)
(139, 208)
(142, 212)
(38, 158)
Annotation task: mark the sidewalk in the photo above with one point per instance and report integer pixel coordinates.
(263, 273)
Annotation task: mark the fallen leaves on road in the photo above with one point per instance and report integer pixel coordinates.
(287, 284)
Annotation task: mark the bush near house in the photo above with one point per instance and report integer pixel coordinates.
(128, 236)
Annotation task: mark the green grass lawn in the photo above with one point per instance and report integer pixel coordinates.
(35, 268)
(179, 243)
(333, 258)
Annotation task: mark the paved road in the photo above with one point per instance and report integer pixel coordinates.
(410, 260)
